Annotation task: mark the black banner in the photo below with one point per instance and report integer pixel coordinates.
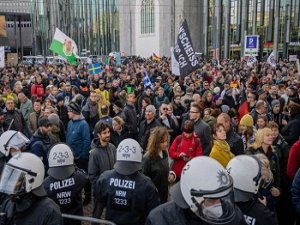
(184, 52)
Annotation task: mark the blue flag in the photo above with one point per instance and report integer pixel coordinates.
(118, 58)
(147, 81)
(95, 68)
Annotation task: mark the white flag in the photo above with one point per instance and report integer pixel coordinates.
(251, 60)
(271, 59)
(174, 64)
(2, 57)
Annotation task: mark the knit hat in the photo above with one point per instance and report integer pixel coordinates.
(260, 92)
(225, 108)
(151, 108)
(44, 122)
(59, 98)
(275, 102)
(217, 97)
(247, 120)
(54, 119)
(74, 107)
(217, 90)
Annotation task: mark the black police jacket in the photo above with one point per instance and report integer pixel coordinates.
(67, 193)
(256, 213)
(170, 213)
(127, 199)
(39, 211)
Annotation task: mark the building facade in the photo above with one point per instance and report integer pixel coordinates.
(92, 24)
(216, 26)
(18, 27)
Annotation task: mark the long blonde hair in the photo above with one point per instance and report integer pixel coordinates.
(156, 137)
(259, 139)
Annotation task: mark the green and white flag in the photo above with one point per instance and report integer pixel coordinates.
(64, 46)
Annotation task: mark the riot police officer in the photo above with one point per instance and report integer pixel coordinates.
(126, 193)
(246, 173)
(202, 196)
(65, 181)
(28, 204)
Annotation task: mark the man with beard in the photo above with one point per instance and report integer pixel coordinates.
(40, 142)
(102, 157)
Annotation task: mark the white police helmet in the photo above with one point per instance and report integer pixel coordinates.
(129, 157)
(12, 139)
(245, 171)
(207, 189)
(22, 174)
(61, 161)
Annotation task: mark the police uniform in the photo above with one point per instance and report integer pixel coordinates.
(127, 199)
(67, 193)
(256, 213)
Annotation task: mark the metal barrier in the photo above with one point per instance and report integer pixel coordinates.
(87, 219)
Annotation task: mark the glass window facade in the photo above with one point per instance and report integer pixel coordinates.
(147, 17)
(92, 24)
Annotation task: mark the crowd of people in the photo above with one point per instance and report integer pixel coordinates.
(175, 149)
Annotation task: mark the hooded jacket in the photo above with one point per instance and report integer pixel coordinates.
(101, 159)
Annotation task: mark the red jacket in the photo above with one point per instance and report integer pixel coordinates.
(38, 90)
(190, 146)
(294, 160)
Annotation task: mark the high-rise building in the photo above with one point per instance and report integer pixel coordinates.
(220, 26)
(92, 24)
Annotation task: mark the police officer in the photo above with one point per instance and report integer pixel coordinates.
(65, 181)
(11, 142)
(202, 196)
(126, 193)
(246, 173)
(28, 204)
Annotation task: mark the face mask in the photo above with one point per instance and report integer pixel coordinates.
(214, 211)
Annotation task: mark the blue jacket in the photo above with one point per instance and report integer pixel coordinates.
(78, 138)
(295, 190)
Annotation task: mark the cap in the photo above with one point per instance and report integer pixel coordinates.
(275, 102)
(225, 108)
(247, 120)
(44, 122)
(217, 90)
(74, 107)
(151, 108)
(128, 157)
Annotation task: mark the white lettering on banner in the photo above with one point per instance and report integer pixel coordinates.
(129, 184)
(250, 220)
(120, 193)
(62, 184)
(187, 45)
(64, 194)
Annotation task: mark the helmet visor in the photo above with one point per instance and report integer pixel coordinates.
(13, 180)
(217, 210)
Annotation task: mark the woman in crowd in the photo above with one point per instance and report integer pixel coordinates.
(185, 147)
(263, 144)
(208, 118)
(246, 130)
(221, 149)
(261, 122)
(155, 162)
(118, 132)
(207, 100)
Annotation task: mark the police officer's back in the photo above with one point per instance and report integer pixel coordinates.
(65, 181)
(202, 196)
(127, 194)
(22, 178)
(246, 173)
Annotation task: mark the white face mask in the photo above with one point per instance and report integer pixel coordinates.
(214, 211)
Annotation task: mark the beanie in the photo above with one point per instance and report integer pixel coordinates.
(54, 119)
(247, 120)
(74, 107)
(275, 102)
